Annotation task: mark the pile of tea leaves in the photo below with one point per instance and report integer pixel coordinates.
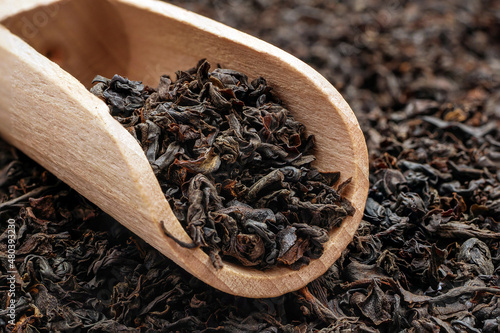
(234, 164)
(423, 79)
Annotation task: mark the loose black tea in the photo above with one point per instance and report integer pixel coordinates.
(423, 79)
(234, 164)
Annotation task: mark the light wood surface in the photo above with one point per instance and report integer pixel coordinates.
(49, 52)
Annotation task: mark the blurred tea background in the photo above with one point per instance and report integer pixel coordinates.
(381, 55)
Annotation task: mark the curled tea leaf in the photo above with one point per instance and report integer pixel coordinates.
(234, 165)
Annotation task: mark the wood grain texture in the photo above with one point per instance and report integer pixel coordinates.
(47, 112)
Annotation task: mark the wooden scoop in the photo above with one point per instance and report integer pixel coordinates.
(51, 49)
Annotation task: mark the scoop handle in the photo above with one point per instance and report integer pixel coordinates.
(52, 118)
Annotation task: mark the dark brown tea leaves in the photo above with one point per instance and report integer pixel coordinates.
(423, 79)
(234, 164)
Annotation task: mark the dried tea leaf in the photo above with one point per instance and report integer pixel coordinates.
(234, 164)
